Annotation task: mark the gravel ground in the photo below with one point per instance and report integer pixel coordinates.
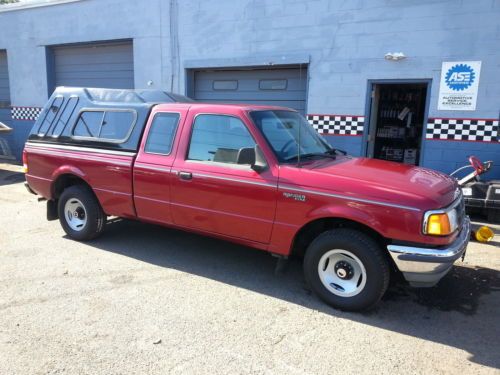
(143, 299)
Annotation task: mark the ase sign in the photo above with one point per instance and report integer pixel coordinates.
(458, 86)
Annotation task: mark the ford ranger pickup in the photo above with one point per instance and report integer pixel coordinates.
(260, 176)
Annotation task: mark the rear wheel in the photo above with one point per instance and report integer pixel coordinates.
(347, 269)
(80, 214)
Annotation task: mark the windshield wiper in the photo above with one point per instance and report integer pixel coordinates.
(326, 154)
(334, 151)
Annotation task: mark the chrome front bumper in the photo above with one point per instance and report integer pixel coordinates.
(424, 267)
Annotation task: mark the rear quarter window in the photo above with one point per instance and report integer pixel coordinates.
(162, 133)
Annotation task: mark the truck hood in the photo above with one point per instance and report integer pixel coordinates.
(377, 180)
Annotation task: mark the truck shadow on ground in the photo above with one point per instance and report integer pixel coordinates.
(462, 311)
(8, 177)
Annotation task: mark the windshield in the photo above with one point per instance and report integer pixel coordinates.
(281, 129)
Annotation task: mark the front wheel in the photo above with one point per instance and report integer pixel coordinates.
(80, 213)
(347, 269)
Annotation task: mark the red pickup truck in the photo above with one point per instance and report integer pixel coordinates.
(260, 176)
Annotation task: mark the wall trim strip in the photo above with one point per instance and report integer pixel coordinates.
(461, 129)
(25, 113)
(345, 125)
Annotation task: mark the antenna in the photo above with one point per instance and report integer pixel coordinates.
(298, 147)
(299, 124)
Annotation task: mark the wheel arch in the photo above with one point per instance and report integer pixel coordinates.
(312, 229)
(66, 177)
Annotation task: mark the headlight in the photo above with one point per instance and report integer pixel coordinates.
(441, 222)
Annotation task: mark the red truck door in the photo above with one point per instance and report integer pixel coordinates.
(152, 168)
(214, 193)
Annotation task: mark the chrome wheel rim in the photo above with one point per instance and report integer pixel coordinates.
(75, 214)
(342, 273)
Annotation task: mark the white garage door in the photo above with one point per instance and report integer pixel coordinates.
(273, 86)
(106, 65)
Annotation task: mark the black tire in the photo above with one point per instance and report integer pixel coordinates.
(494, 216)
(366, 250)
(92, 212)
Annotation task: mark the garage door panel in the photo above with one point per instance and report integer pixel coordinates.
(276, 86)
(4, 80)
(108, 49)
(243, 83)
(250, 85)
(93, 59)
(244, 95)
(297, 105)
(96, 74)
(95, 65)
(110, 83)
(253, 73)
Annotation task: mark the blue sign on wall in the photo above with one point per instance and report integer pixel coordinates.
(460, 77)
(459, 85)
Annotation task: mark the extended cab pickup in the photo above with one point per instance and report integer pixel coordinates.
(260, 176)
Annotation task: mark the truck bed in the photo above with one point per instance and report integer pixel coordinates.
(108, 172)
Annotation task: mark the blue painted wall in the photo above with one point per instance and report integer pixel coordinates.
(19, 134)
(345, 43)
(447, 156)
(352, 145)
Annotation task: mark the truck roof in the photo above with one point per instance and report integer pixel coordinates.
(123, 96)
(223, 107)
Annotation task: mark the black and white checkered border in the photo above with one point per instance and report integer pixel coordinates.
(25, 113)
(453, 129)
(337, 124)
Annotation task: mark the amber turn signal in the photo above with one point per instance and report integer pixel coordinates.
(438, 224)
(25, 162)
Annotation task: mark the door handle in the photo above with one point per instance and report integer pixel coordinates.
(185, 175)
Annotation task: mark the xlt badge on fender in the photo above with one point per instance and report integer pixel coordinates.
(297, 197)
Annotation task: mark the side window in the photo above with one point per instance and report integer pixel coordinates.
(64, 117)
(88, 124)
(116, 125)
(220, 138)
(51, 115)
(161, 134)
(109, 125)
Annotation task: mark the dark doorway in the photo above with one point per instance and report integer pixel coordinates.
(397, 121)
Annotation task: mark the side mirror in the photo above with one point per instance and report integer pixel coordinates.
(260, 164)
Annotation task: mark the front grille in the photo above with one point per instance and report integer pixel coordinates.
(460, 208)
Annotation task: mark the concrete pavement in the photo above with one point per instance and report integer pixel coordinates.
(144, 299)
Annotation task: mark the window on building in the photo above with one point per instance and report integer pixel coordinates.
(219, 138)
(109, 125)
(225, 85)
(161, 134)
(273, 84)
(4, 81)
